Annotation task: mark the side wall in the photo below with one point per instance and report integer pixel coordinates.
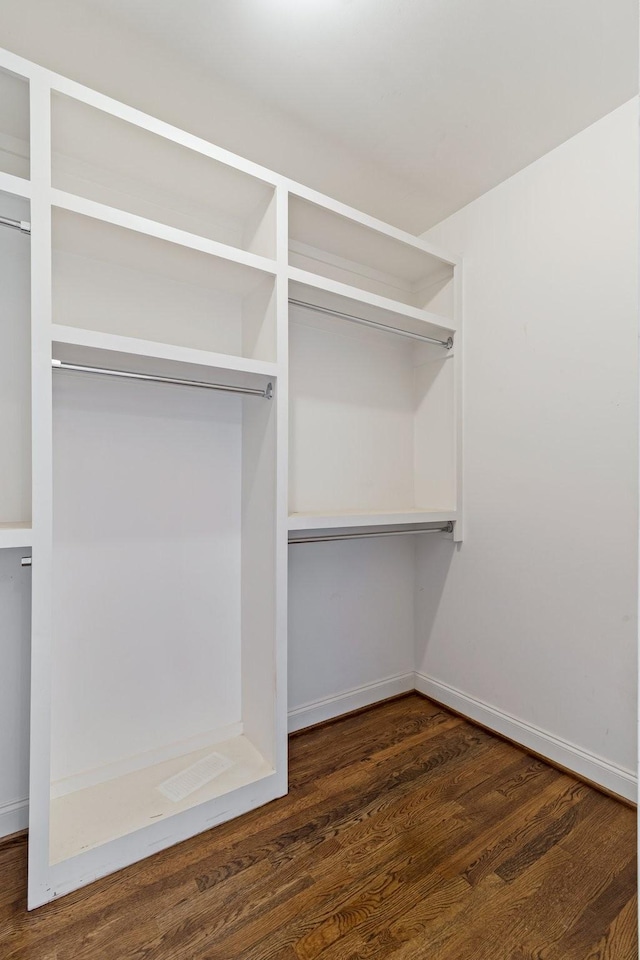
(529, 626)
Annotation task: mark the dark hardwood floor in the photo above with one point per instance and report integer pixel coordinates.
(408, 833)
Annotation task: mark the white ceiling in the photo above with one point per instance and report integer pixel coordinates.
(448, 97)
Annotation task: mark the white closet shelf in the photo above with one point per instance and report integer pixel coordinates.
(95, 349)
(161, 231)
(87, 818)
(15, 185)
(351, 518)
(331, 233)
(15, 535)
(324, 292)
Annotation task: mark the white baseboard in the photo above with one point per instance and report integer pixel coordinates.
(14, 816)
(588, 765)
(320, 710)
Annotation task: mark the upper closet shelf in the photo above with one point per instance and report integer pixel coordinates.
(340, 297)
(384, 518)
(118, 281)
(15, 535)
(17, 186)
(369, 257)
(104, 158)
(162, 231)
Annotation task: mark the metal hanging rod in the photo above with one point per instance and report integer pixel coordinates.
(22, 225)
(266, 394)
(448, 528)
(447, 344)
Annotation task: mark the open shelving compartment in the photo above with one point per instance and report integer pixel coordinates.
(108, 159)
(14, 125)
(15, 378)
(384, 261)
(122, 282)
(372, 416)
(163, 626)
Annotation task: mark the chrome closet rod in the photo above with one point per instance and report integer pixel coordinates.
(448, 528)
(447, 344)
(23, 225)
(266, 394)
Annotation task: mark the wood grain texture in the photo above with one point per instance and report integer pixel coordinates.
(408, 833)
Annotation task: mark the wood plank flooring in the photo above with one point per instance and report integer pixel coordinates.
(408, 833)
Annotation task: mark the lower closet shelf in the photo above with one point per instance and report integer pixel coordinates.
(87, 818)
(368, 518)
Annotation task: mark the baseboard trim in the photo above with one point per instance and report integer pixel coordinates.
(14, 817)
(319, 711)
(586, 766)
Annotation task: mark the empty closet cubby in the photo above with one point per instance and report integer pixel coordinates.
(14, 125)
(15, 376)
(111, 161)
(372, 424)
(346, 250)
(163, 629)
(125, 283)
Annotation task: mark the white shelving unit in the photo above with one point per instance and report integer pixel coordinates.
(161, 512)
(375, 438)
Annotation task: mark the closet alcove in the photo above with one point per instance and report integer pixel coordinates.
(223, 362)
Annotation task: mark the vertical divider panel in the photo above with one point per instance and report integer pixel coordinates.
(282, 477)
(39, 872)
(458, 359)
(258, 605)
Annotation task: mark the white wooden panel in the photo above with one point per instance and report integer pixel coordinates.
(331, 293)
(15, 535)
(146, 568)
(15, 377)
(259, 574)
(15, 649)
(343, 520)
(92, 348)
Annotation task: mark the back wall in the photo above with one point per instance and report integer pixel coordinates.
(530, 625)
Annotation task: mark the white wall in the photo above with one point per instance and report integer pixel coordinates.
(351, 625)
(534, 616)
